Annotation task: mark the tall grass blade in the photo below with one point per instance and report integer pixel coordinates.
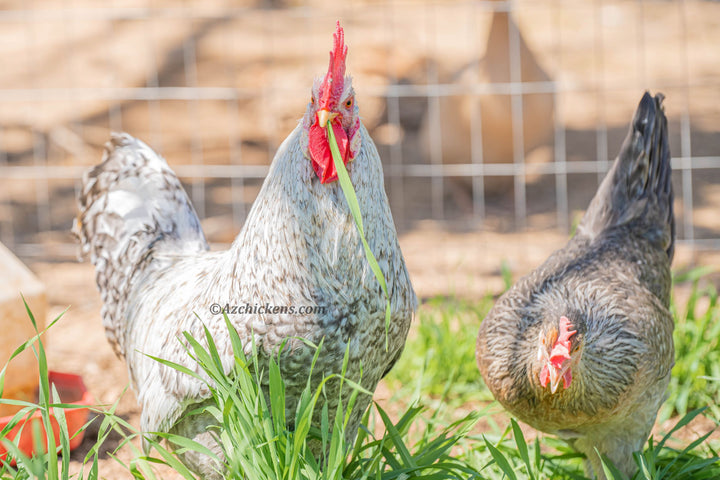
(351, 198)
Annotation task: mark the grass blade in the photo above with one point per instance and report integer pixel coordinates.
(351, 198)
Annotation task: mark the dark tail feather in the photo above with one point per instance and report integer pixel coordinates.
(639, 185)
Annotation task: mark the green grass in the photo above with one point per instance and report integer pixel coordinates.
(257, 444)
(695, 377)
(512, 457)
(439, 357)
(45, 465)
(48, 464)
(436, 425)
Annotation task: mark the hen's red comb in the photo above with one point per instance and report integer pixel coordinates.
(565, 332)
(561, 349)
(333, 83)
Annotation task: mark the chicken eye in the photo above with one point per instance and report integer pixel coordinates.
(349, 103)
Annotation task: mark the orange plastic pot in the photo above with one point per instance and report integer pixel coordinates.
(72, 391)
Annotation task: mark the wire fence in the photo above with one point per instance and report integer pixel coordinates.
(488, 115)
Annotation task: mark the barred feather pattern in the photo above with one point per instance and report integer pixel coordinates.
(299, 246)
(132, 206)
(612, 281)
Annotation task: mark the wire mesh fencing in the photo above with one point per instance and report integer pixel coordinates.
(488, 115)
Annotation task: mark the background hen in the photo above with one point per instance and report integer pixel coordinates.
(299, 247)
(594, 317)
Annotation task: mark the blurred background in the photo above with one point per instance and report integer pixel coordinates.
(493, 117)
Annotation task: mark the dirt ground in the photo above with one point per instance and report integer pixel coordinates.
(466, 265)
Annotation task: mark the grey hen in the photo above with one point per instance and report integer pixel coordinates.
(595, 316)
(298, 248)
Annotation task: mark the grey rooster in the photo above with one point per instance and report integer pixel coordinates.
(595, 316)
(298, 248)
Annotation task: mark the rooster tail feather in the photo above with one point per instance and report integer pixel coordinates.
(133, 216)
(639, 185)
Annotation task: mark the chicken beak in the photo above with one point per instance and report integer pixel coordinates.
(555, 379)
(558, 376)
(325, 116)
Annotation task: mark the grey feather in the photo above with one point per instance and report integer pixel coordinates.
(612, 280)
(638, 188)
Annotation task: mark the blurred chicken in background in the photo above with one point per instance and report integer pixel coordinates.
(469, 128)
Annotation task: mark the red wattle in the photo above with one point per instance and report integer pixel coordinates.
(320, 154)
(544, 376)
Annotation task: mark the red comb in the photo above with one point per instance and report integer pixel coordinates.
(333, 83)
(565, 332)
(561, 349)
(559, 354)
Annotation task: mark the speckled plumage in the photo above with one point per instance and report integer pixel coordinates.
(299, 246)
(612, 280)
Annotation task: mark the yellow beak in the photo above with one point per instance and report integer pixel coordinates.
(325, 116)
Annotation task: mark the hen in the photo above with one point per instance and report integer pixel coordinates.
(298, 248)
(595, 316)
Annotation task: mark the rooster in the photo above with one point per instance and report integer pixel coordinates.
(582, 347)
(299, 247)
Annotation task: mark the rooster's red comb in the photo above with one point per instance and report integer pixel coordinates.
(333, 83)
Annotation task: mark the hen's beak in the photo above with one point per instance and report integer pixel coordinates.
(324, 116)
(555, 379)
(557, 376)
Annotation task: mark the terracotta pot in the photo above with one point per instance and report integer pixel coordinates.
(72, 391)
